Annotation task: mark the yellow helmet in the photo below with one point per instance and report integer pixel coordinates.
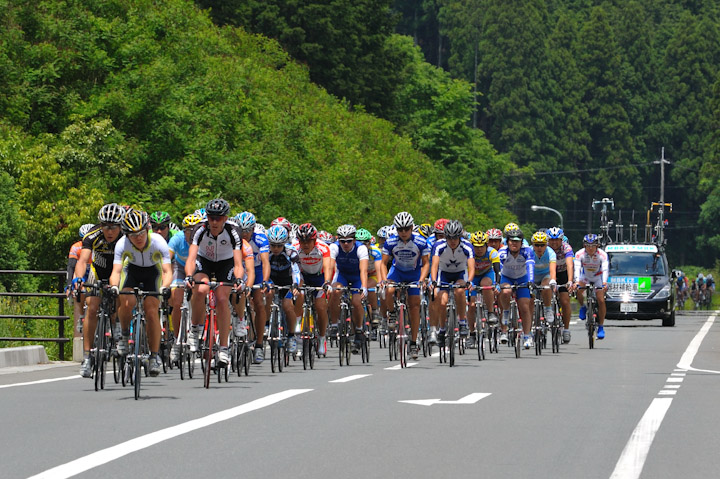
(191, 220)
(539, 238)
(509, 227)
(479, 238)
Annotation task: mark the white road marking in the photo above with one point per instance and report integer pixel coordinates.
(632, 459)
(115, 452)
(679, 375)
(689, 355)
(469, 399)
(398, 367)
(350, 378)
(669, 392)
(672, 386)
(41, 381)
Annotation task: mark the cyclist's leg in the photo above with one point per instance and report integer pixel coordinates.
(414, 307)
(289, 309)
(358, 311)
(602, 308)
(222, 310)
(90, 322)
(152, 322)
(200, 292)
(460, 300)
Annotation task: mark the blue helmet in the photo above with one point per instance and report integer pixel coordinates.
(277, 235)
(590, 239)
(246, 221)
(555, 233)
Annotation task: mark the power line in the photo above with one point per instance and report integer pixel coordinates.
(587, 170)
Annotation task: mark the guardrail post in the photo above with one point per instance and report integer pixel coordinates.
(61, 322)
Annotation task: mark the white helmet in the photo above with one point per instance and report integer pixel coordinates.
(403, 220)
(346, 231)
(111, 213)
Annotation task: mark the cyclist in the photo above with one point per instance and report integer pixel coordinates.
(709, 288)
(255, 235)
(518, 267)
(374, 258)
(216, 250)
(285, 272)
(495, 238)
(435, 308)
(160, 224)
(179, 247)
(591, 266)
(351, 258)
(73, 257)
(142, 259)
(317, 271)
(453, 262)
(565, 274)
(545, 270)
(410, 258)
(487, 273)
(98, 246)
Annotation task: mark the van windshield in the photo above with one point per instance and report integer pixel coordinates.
(636, 264)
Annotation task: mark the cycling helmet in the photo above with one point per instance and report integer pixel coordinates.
(217, 207)
(454, 229)
(590, 239)
(85, 229)
(555, 233)
(282, 222)
(403, 220)
(160, 218)
(202, 213)
(325, 236)
(293, 230)
(494, 234)
(346, 231)
(277, 235)
(135, 221)
(514, 234)
(260, 229)
(246, 221)
(701, 276)
(479, 238)
(111, 213)
(174, 227)
(440, 225)
(425, 229)
(383, 232)
(363, 235)
(709, 276)
(307, 232)
(539, 238)
(191, 220)
(510, 226)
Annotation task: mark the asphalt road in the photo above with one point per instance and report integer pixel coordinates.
(641, 404)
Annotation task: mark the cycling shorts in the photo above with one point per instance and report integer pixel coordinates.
(539, 278)
(521, 292)
(562, 279)
(405, 277)
(146, 278)
(477, 279)
(352, 281)
(595, 280)
(452, 277)
(222, 270)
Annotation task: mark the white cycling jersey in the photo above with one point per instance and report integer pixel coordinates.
(591, 267)
(453, 260)
(156, 252)
(220, 248)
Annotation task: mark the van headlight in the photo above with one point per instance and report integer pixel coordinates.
(664, 292)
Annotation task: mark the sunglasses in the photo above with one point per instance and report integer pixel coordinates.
(215, 218)
(306, 240)
(110, 226)
(160, 227)
(539, 245)
(407, 228)
(137, 235)
(346, 241)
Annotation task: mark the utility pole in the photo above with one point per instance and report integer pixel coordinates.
(662, 162)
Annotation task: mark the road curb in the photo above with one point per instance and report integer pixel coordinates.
(22, 356)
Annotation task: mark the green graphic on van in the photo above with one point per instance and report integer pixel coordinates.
(641, 284)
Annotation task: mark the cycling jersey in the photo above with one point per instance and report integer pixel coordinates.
(565, 251)
(515, 267)
(220, 248)
(155, 253)
(375, 255)
(75, 250)
(542, 263)
(453, 260)
(484, 263)
(348, 264)
(102, 251)
(312, 263)
(180, 248)
(285, 267)
(407, 256)
(593, 267)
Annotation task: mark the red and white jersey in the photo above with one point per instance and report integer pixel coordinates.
(312, 262)
(591, 267)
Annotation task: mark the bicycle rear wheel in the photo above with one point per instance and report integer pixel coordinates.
(450, 338)
(401, 337)
(137, 360)
(208, 348)
(517, 333)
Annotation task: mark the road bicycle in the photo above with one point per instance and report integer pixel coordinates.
(483, 329)
(210, 339)
(346, 330)
(186, 358)
(398, 330)
(424, 332)
(103, 342)
(242, 338)
(452, 336)
(277, 335)
(308, 326)
(592, 312)
(515, 329)
(540, 325)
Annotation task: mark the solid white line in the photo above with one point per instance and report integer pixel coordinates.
(39, 382)
(632, 459)
(687, 358)
(115, 452)
(350, 378)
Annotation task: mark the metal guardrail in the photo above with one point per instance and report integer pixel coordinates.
(60, 317)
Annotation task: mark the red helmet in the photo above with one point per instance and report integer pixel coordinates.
(494, 233)
(282, 222)
(440, 225)
(307, 232)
